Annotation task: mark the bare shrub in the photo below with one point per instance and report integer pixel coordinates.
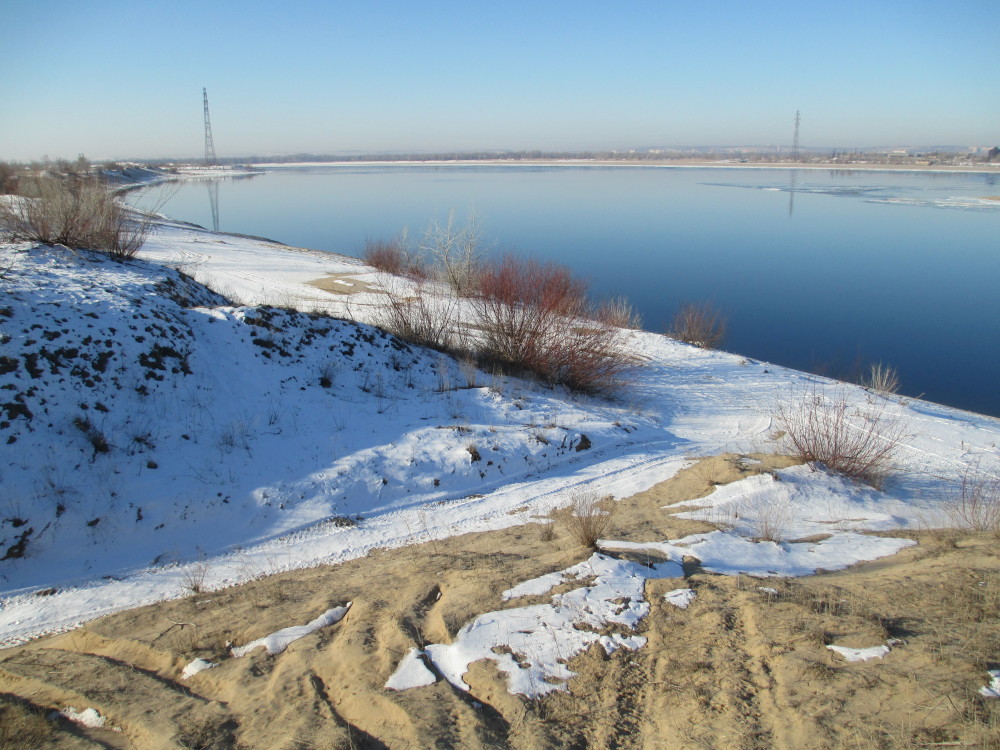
(587, 357)
(391, 256)
(193, 577)
(80, 215)
(518, 302)
(384, 255)
(454, 252)
(537, 316)
(587, 521)
(416, 312)
(619, 313)
(9, 176)
(858, 442)
(976, 501)
(699, 323)
(881, 379)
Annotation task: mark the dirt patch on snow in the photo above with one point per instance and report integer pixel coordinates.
(746, 665)
(342, 283)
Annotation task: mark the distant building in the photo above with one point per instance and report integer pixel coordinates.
(993, 154)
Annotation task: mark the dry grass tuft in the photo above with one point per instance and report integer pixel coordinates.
(619, 313)
(881, 379)
(587, 521)
(193, 577)
(976, 503)
(770, 522)
(22, 727)
(699, 323)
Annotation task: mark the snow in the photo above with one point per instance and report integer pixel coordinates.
(681, 598)
(411, 672)
(277, 642)
(799, 502)
(993, 689)
(226, 459)
(196, 666)
(89, 717)
(860, 654)
(728, 553)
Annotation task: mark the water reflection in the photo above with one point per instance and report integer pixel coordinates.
(793, 180)
(213, 199)
(213, 193)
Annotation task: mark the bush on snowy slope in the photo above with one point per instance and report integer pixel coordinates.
(538, 316)
(518, 315)
(859, 441)
(10, 174)
(79, 214)
(699, 323)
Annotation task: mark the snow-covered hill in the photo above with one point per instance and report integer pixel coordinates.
(154, 435)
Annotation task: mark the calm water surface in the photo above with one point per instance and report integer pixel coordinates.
(818, 269)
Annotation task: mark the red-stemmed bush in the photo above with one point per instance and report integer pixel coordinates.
(537, 316)
(386, 255)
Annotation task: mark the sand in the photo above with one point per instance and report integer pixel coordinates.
(744, 666)
(341, 283)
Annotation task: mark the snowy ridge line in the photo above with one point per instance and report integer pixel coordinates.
(521, 482)
(520, 494)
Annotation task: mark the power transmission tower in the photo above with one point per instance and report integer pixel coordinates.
(210, 158)
(795, 138)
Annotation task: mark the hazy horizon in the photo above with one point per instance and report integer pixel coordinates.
(115, 79)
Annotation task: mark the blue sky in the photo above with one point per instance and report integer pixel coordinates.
(114, 79)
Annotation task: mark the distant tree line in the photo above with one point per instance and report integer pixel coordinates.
(81, 166)
(761, 154)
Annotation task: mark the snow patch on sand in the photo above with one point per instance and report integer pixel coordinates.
(531, 644)
(860, 654)
(196, 666)
(680, 598)
(277, 642)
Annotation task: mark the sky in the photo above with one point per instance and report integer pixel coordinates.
(118, 79)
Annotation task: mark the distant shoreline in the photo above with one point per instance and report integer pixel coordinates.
(660, 164)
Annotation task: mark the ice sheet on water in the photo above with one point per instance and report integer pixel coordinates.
(849, 191)
(964, 203)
